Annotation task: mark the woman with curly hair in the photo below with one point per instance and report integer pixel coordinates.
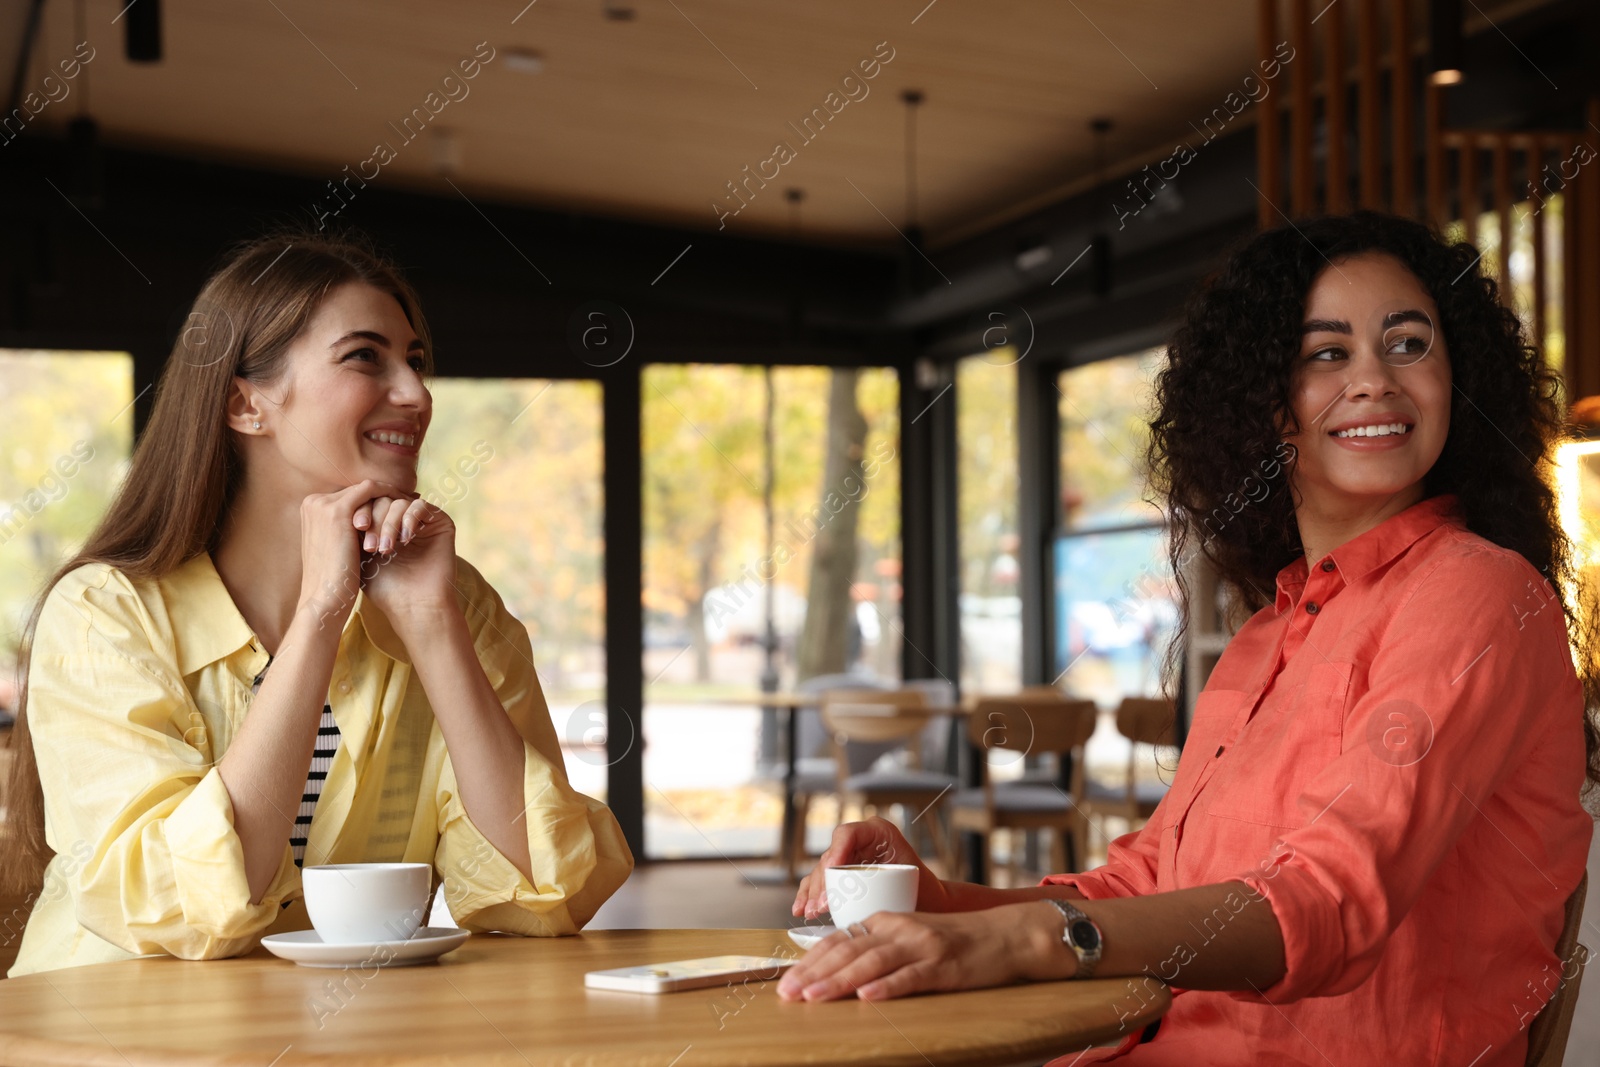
(1377, 818)
(268, 654)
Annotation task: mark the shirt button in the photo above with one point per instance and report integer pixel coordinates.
(344, 687)
(1327, 564)
(1311, 608)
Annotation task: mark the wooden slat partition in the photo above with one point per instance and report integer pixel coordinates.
(1582, 203)
(1384, 163)
(1302, 123)
(1405, 190)
(1520, 139)
(1268, 162)
(1371, 131)
(1335, 86)
(1435, 134)
(1535, 157)
(1502, 211)
(1569, 280)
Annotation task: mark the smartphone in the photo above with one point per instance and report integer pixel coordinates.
(687, 974)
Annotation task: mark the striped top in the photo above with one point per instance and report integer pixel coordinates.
(321, 760)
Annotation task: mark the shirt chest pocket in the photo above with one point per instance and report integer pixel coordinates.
(1279, 752)
(1214, 713)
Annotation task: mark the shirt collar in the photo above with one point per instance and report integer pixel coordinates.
(208, 626)
(1374, 548)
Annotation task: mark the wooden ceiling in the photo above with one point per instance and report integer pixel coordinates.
(650, 118)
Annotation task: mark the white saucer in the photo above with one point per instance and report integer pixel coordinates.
(807, 936)
(306, 948)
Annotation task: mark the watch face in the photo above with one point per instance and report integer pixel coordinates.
(1085, 936)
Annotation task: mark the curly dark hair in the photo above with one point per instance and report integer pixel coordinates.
(1227, 381)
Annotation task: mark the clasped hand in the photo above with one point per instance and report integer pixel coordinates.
(376, 537)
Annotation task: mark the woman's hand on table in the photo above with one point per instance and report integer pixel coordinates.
(875, 840)
(894, 955)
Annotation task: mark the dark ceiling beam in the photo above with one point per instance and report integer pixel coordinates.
(501, 284)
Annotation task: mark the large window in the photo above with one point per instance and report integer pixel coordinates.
(710, 763)
(66, 432)
(1115, 600)
(517, 463)
(991, 602)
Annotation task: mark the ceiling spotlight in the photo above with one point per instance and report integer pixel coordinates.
(446, 152)
(1033, 256)
(617, 10)
(523, 60)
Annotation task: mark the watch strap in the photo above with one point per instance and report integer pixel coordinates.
(1087, 958)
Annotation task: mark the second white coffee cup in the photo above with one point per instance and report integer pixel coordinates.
(857, 891)
(359, 903)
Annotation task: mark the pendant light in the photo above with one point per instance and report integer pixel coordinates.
(1444, 42)
(142, 31)
(1100, 241)
(86, 170)
(914, 278)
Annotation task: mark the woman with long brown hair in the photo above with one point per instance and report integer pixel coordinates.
(268, 654)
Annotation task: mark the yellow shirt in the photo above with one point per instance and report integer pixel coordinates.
(136, 691)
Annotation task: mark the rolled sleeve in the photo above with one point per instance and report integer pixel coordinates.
(122, 785)
(576, 848)
(1471, 684)
(1130, 867)
(207, 860)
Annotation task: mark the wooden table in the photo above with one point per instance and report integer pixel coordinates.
(521, 1002)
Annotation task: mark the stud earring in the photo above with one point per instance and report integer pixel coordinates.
(258, 424)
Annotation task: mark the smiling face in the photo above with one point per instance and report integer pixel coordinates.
(1370, 389)
(351, 403)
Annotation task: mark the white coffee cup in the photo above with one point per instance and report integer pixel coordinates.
(359, 903)
(856, 891)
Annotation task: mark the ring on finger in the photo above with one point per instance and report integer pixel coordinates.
(862, 926)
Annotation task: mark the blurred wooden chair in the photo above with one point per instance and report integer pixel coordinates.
(1547, 1035)
(870, 719)
(816, 768)
(1047, 769)
(1035, 721)
(1143, 721)
(945, 725)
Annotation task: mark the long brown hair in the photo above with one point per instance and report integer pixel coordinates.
(186, 467)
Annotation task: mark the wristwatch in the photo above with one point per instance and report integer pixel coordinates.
(1081, 935)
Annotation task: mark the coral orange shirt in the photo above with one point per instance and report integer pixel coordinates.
(1391, 756)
